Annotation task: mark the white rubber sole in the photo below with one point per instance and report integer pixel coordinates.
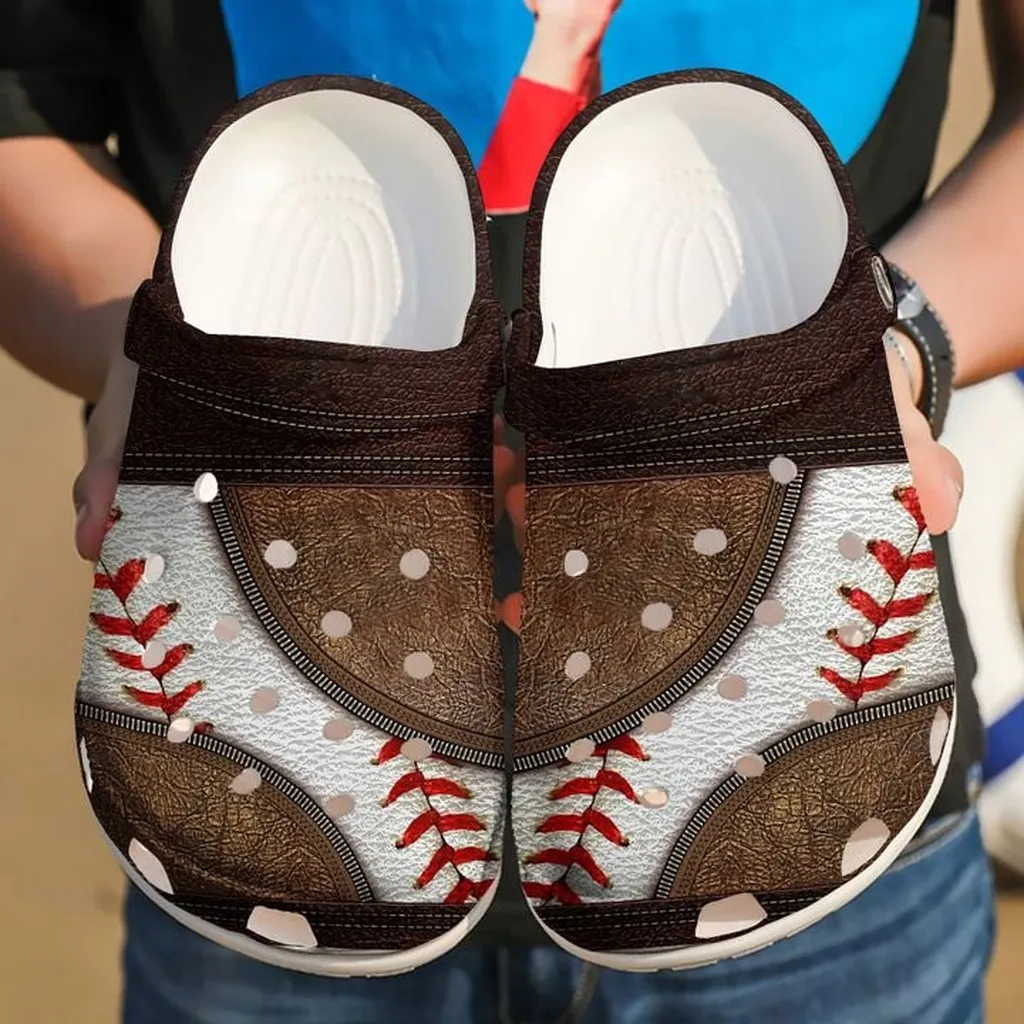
(690, 957)
(689, 215)
(339, 217)
(325, 962)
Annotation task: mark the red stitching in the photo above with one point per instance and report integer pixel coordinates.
(122, 584)
(431, 818)
(580, 823)
(897, 565)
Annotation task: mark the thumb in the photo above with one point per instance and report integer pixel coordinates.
(938, 476)
(938, 479)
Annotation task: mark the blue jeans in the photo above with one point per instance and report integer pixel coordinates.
(911, 950)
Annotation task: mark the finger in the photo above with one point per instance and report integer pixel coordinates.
(95, 489)
(96, 485)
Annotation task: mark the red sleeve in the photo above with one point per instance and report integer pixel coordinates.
(533, 117)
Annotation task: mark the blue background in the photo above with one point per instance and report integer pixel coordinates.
(840, 58)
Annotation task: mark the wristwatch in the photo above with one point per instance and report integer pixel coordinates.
(917, 319)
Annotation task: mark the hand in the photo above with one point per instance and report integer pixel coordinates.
(938, 476)
(567, 36)
(96, 485)
(577, 25)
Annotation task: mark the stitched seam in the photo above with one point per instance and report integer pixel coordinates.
(706, 417)
(685, 462)
(431, 819)
(681, 435)
(346, 458)
(325, 458)
(683, 684)
(810, 734)
(168, 467)
(383, 417)
(897, 565)
(777, 442)
(291, 423)
(591, 819)
(312, 672)
(209, 741)
(122, 584)
(342, 911)
(673, 913)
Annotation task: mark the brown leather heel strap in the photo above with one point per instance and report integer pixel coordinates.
(825, 378)
(819, 390)
(295, 379)
(261, 410)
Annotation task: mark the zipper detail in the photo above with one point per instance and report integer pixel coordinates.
(215, 745)
(725, 640)
(861, 716)
(312, 672)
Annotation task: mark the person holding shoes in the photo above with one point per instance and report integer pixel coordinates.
(99, 109)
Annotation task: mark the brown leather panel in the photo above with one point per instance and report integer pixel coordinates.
(639, 538)
(787, 828)
(348, 926)
(634, 925)
(819, 394)
(175, 799)
(177, 432)
(350, 542)
(287, 411)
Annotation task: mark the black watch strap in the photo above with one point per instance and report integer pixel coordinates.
(916, 317)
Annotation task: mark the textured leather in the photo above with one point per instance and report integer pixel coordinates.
(352, 540)
(787, 828)
(807, 387)
(266, 410)
(345, 926)
(639, 540)
(818, 393)
(197, 577)
(780, 666)
(175, 798)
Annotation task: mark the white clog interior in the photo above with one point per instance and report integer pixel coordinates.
(686, 215)
(330, 216)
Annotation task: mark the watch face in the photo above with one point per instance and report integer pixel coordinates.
(911, 303)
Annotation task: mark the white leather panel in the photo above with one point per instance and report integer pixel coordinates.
(780, 664)
(170, 522)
